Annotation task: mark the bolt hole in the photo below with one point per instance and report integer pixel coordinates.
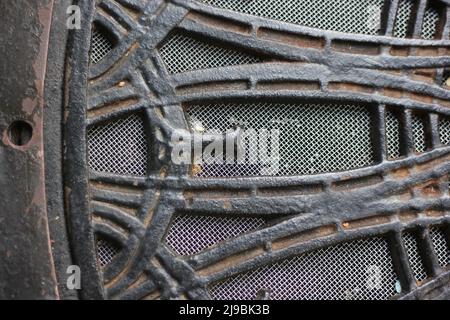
(20, 133)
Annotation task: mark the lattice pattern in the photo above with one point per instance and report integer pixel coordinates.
(444, 130)
(415, 261)
(119, 147)
(393, 135)
(402, 19)
(100, 46)
(191, 234)
(359, 269)
(441, 247)
(418, 131)
(429, 25)
(351, 16)
(106, 251)
(312, 138)
(182, 53)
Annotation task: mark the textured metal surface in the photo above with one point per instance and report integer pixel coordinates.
(295, 65)
(26, 264)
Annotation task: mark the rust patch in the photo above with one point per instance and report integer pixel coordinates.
(297, 40)
(393, 93)
(344, 86)
(421, 97)
(305, 236)
(290, 191)
(212, 87)
(357, 182)
(445, 103)
(217, 194)
(425, 51)
(111, 108)
(219, 23)
(407, 216)
(434, 213)
(429, 165)
(399, 51)
(366, 222)
(289, 85)
(353, 47)
(399, 174)
(429, 189)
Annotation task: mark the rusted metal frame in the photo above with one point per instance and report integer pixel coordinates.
(27, 270)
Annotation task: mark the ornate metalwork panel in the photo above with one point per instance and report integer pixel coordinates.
(358, 205)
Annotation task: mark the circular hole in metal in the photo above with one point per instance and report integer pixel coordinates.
(20, 133)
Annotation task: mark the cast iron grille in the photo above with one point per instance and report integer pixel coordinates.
(441, 247)
(101, 45)
(444, 130)
(415, 261)
(429, 25)
(119, 147)
(357, 270)
(191, 234)
(393, 135)
(182, 53)
(403, 18)
(351, 16)
(418, 131)
(313, 138)
(106, 251)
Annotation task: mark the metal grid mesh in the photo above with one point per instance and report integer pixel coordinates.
(313, 138)
(357, 270)
(100, 46)
(440, 245)
(192, 234)
(444, 130)
(402, 19)
(393, 135)
(119, 147)
(415, 261)
(418, 131)
(351, 16)
(106, 251)
(429, 25)
(182, 53)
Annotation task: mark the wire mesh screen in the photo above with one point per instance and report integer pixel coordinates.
(100, 46)
(119, 147)
(357, 270)
(418, 131)
(415, 261)
(311, 138)
(429, 25)
(106, 251)
(444, 130)
(403, 18)
(191, 234)
(351, 16)
(393, 135)
(182, 53)
(441, 247)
